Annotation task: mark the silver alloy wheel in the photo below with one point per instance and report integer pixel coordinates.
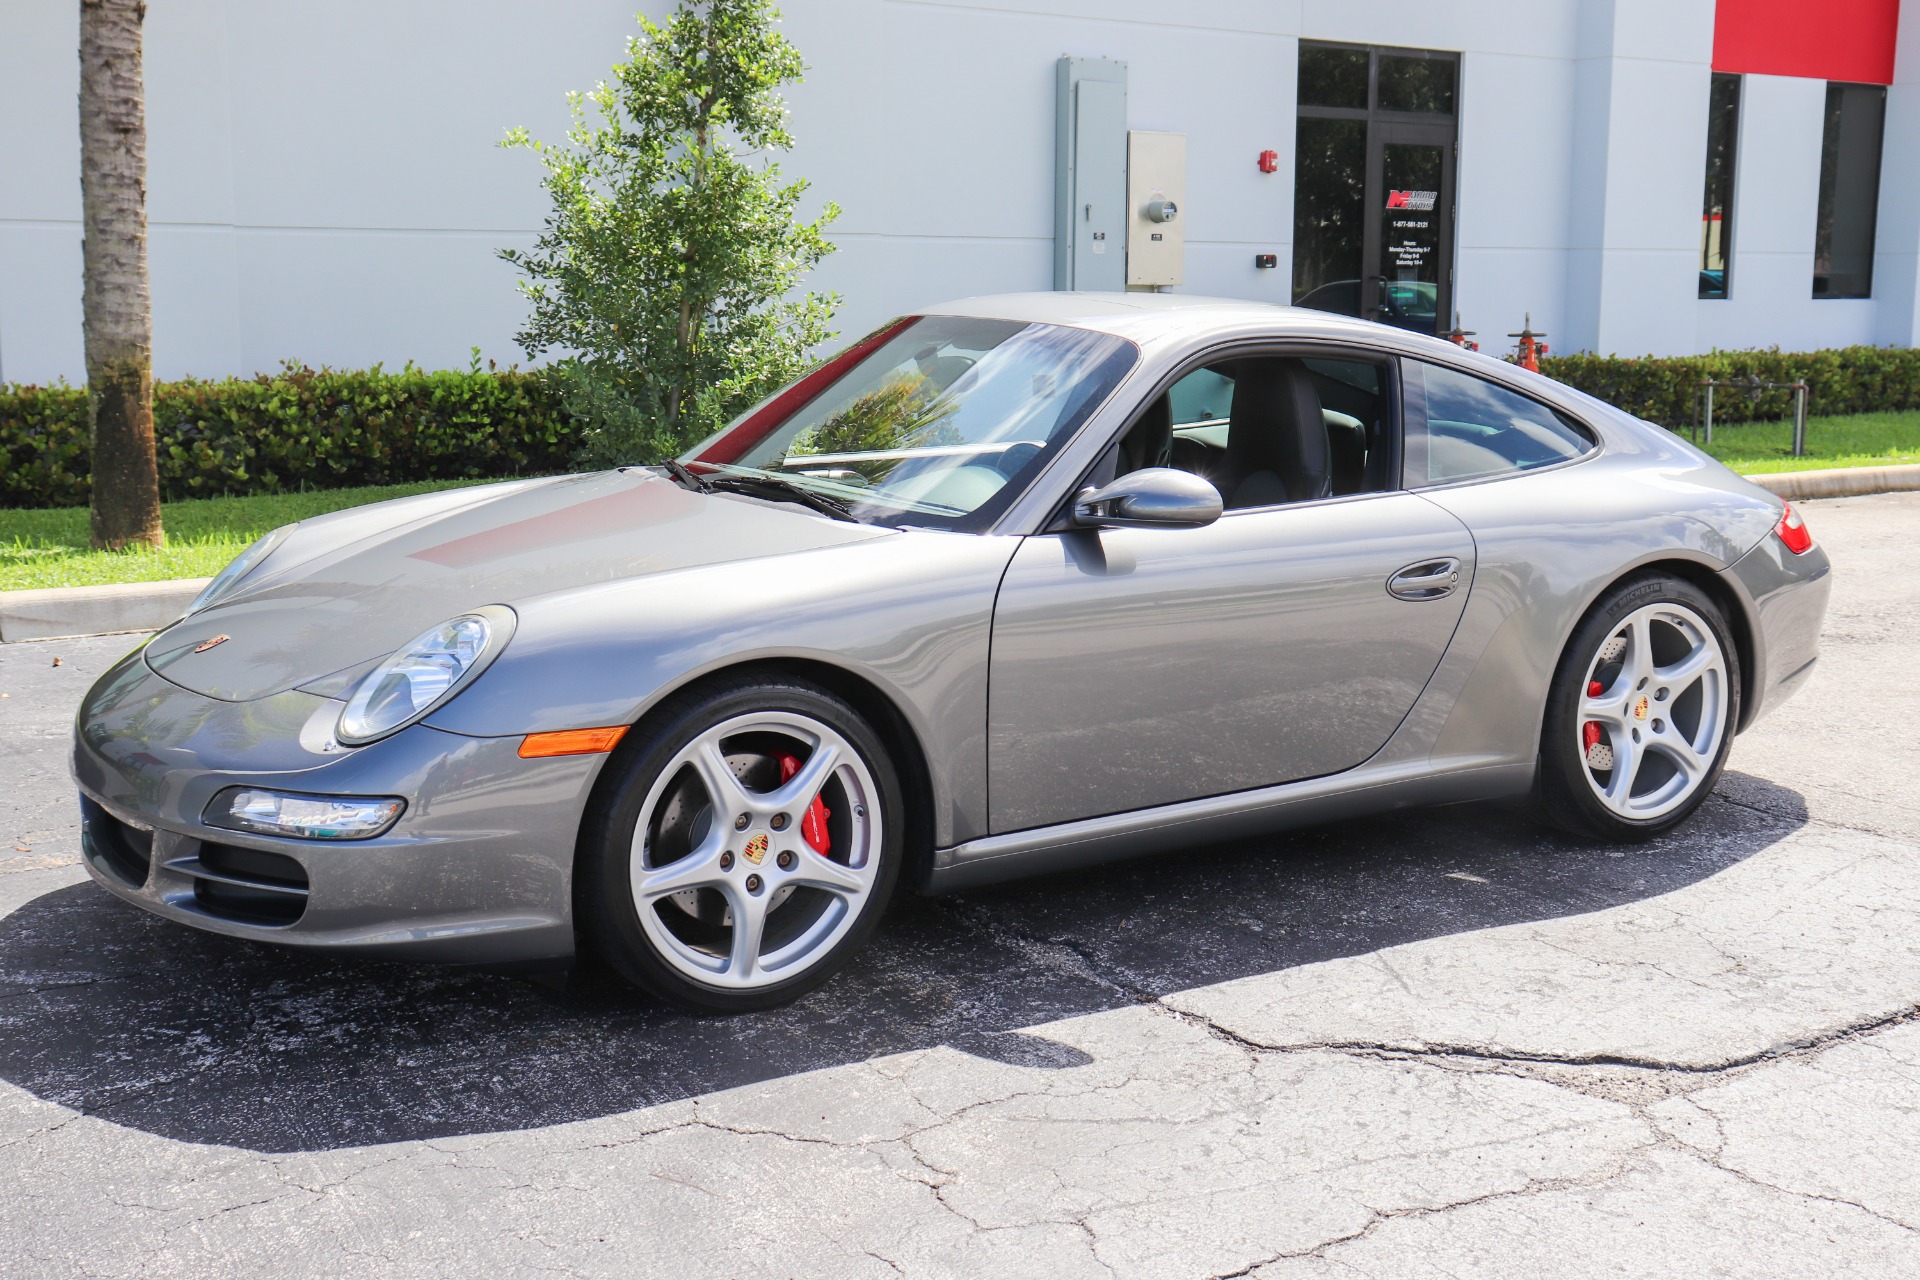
(740, 836)
(1650, 734)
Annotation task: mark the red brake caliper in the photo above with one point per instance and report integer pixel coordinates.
(1599, 755)
(813, 823)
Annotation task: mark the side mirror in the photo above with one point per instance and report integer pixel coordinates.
(1151, 498)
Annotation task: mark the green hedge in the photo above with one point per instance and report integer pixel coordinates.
(327, 428)
(299, 428)
(1666, 389)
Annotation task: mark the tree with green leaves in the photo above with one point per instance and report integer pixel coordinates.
(665, 276)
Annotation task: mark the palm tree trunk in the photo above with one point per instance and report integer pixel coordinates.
(117, 308)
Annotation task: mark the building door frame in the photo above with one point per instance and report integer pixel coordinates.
(1386, 126)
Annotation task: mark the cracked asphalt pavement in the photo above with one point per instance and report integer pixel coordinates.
(1428, 1044)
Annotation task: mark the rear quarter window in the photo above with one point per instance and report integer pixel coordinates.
(1472, 428)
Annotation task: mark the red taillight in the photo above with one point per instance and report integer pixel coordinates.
(1792, 530)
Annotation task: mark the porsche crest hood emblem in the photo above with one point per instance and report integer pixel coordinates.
(214, 643)
(756, 850)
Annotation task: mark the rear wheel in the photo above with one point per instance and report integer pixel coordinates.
(1641, 714)
(743, 848)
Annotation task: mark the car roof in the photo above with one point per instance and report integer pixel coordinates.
(1152, 318)
(1145, 316)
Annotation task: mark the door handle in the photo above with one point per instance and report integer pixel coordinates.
(1426, 580)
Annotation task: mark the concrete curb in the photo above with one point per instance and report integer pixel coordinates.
(56, 613)
(1840, 482)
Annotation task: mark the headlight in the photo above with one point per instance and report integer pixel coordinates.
(279, 813)
(239, 567)
(438, 664)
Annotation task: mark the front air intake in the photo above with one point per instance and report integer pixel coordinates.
(113, 847)
(247, 886)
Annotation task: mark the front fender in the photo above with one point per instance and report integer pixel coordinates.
(911, 614)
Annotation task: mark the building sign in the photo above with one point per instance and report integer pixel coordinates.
(1405, 251)
(1416, 201)
(1851, 40)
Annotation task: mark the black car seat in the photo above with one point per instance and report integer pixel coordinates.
(1149, 442)
(1277, 447)
(1347, 443)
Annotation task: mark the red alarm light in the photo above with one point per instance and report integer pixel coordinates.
(1269, 161)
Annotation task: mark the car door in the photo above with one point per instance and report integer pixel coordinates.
(1139, 667)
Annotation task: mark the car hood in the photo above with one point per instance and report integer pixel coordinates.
(335, 611)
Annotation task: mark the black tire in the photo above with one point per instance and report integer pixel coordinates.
(605, 908)
(1567, 788)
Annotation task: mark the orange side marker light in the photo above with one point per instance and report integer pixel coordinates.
(571, 742)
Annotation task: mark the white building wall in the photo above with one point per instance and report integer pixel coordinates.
(325, 183)
(1775, 201)
(1896, 257)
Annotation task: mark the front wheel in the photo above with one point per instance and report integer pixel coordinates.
(742, 847)
(1641, 714)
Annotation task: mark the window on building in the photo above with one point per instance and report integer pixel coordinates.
(1716, 216)
(1849, 191)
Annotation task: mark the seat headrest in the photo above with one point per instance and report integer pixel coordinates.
(1149, 442)
(1278, 427)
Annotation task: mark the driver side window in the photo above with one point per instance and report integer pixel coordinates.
(1268, 430)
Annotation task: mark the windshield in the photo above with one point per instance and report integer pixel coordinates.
(934, 420)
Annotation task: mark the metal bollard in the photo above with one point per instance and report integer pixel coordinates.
(1707, 418)
(1800, 419)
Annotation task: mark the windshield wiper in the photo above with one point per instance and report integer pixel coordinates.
(677, 472)
(779, 489)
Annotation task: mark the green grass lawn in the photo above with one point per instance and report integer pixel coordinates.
(1857, 440)
(48, 548)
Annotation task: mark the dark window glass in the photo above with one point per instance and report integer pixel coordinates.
(1475, 428)
(1716, 217)
(1251, 461)
(1410, 235)
(1329, 211)
(1331, 77)
(1849, 191)
(1416, 83)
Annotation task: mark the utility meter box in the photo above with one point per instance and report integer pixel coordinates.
(1090, 175)
(1156, 208)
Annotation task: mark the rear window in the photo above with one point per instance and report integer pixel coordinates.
(934, 420)
(1474, 428)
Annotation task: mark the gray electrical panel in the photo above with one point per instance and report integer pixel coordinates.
(1090, 175)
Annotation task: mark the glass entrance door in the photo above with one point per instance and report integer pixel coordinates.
(1409, 227)
(1373, 184)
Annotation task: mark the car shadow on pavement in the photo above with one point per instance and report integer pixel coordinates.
(121, 1015)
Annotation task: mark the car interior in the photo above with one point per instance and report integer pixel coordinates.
(1267, 430)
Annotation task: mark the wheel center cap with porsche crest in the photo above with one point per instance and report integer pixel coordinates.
(1640, 708)
(756, 850)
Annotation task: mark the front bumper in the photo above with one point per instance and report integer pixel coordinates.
(478, 870)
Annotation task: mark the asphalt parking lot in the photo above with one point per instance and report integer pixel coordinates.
(1428, 1044)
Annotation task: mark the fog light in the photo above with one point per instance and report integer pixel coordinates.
(281, 813)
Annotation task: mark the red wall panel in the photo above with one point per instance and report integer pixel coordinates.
(1819, 39)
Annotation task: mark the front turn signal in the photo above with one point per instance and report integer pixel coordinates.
(1793, 531)
(571, 742)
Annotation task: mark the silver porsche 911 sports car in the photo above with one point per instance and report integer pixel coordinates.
(1014, 585)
